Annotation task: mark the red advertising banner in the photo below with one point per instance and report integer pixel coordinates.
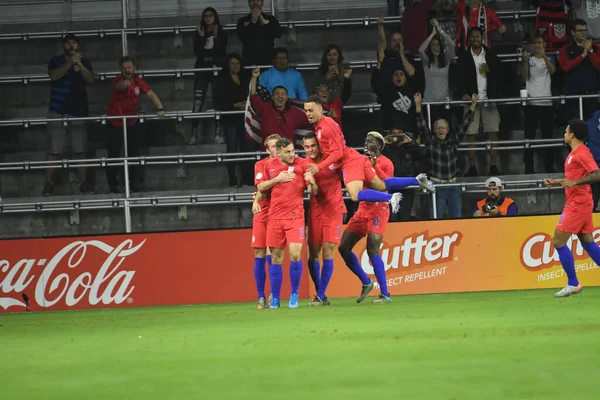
(217, 266)
(130, 271)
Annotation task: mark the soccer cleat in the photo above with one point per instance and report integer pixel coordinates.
(366, 289)
(383, 299)
(293, 303)
(274, 303)
(395, 202)
(326, 301)
(270, 300)
(316, 302)
(568, 290)
(425, 183)
(262, 304)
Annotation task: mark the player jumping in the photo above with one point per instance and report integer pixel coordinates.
(356, 170)
(326, 216)
(260, 209)
(371, 220)
(288, 176)
(580, 171)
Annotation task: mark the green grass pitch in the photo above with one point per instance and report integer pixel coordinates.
(500, 345)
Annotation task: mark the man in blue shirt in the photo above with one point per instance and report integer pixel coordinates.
(69, 73)
(281, 75)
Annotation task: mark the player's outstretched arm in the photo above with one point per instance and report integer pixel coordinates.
(549, 182)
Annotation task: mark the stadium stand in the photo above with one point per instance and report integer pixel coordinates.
(185, 187)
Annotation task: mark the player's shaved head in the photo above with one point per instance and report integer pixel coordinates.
(579, 129)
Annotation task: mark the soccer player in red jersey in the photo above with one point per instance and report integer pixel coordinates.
(260, 209)
(580, 171)
(288, 176)
(370, 220)
(325, 219)
(356, 171)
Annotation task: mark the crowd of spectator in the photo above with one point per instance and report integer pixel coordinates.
(438, 31)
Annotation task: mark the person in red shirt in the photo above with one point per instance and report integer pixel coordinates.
(370, 220)
(356, 170)
(277, 116)
(334, 106)
(580, 171)
(260, 209)
(288, 176)
(326, 216)
(124, 99)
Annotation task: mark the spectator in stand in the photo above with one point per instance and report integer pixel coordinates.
(495, 204)
(442, 152)
(415, 23)
(334, 107)
(69, 73)
(280, 75)
(593, 143)
(444, 12)
(479, 72)
(403, 151)
(581, 62)
(230, 95)
(331, 72)
(436, 58)
(552, 21)
(277, 116)
(588, 11)
(210, 47)
(397, 106)
(393, 58)
(537, 70)
(257, 31)
(475, 14)
(124, 100)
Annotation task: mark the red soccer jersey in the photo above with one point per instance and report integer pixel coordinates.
(579, 164)
(260, 176)
(126, 101)
(329, 199)
(287, 199)
(333, 144)
(384, 168)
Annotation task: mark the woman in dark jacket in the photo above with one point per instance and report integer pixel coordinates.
(210, 48)
(230, 95)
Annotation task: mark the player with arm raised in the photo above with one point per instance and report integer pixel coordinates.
(288, 176)
(357, 172)
(580, 171)
(260, 209)
(370, 220)
(325, 219)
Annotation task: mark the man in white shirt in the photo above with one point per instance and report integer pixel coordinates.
(479, 72)
(537, 70)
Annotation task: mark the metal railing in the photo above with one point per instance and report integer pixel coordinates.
(177, 29)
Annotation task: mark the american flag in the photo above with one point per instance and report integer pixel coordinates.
(252, 118)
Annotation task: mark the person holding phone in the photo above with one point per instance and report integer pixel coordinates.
(331, 72)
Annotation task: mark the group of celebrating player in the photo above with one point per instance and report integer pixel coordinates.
(279, 208)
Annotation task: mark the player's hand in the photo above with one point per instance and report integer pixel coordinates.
(308, 177)
(255, 208)
(313, 168)
(284, 177)
(548, 182)
(567, 183)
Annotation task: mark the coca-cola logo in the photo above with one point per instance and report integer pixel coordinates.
(538, 252)
(103, 284)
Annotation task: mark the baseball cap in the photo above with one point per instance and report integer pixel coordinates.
(70, 36)
(493, 182)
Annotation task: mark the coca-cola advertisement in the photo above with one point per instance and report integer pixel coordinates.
(127, 271)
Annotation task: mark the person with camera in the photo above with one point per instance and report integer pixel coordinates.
(402, 149)
(495, 204)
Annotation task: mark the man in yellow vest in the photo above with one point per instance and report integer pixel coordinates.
(495, 204)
